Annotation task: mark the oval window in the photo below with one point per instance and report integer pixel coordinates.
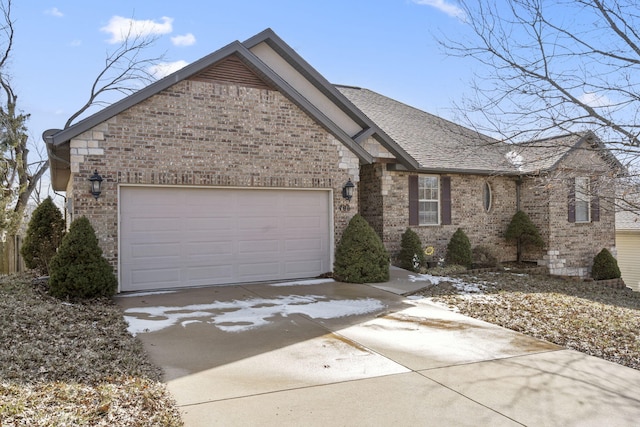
(486, 197)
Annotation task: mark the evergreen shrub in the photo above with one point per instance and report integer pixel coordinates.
(411, 254)
(360, 255)
(79, 271)
(605, 266)
(459, 250)
(44, 234)
(524, 232)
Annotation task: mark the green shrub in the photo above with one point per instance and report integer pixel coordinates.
(44, 235)
(484, 257)
(605, 266)
(524, 232)
(360, 255)
(411, 254)
(79, 270)
(459, 250)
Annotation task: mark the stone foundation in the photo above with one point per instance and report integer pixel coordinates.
(557, 266)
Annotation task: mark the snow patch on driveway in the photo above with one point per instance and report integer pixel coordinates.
(242, 315)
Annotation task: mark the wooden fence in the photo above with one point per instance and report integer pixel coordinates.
(10, 257)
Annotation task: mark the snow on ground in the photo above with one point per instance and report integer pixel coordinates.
(303, 282)
(143, 294)
(242, 315)
(459, 284)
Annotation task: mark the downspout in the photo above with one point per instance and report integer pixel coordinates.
(518, 187)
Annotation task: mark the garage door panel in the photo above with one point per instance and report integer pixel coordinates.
(208, 248)
(178, 236)
(259, 271)
(202, 275)
(259, 247)
(157, 275)
(140, 252)
(150, 223)
(205, 224)
(299, 267)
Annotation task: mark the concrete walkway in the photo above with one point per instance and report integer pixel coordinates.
(334, 354)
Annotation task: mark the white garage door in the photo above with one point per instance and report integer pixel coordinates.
(175, 237)
(627, 244)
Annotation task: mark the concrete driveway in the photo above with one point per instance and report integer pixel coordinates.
(334, 354)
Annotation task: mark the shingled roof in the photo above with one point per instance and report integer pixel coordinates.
(434, 143)
(546, 154)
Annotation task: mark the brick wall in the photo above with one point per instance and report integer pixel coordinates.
(483, 228)
(207, 134)
(570, 247)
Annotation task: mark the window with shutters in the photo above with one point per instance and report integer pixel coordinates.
(428, 200)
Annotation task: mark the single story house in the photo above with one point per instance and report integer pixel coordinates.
(235, 169)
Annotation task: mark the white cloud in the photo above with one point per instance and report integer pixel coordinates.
(54, 12)
(186, 40)
(75, 43)
(443, 6)
(594, 100)
(123, 28)
(164, 69)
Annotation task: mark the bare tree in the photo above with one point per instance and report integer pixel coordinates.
(125, 68)
(553, 66)
(19, 177)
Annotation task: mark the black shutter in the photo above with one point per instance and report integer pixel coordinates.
(595, 208)
(595, 199)
(445, 200)
(413, 200)
(572, 200)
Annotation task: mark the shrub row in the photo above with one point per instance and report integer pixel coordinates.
(77, 268)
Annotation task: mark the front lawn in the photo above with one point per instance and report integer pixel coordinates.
(73, 364)
(584, 316)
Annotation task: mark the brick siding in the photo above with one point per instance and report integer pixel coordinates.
(207, 134)
(391, 212)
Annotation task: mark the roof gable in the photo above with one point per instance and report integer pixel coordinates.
(232, 70)
(234, 63)
(546, 155)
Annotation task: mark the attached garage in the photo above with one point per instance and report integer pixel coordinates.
(191, 236)
(628, 247)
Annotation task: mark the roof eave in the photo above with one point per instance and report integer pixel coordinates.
(485, 172)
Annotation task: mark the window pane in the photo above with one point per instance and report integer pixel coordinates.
(428, 212)
(582, 199)
(582, 211)
(486, 197)
(429, 196)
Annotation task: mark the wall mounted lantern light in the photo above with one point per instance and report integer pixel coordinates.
(96, 184)
(347, 190)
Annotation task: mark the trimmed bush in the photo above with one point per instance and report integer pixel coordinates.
(459, 250)
(605, 266)
(524, 232)
(79, 271)
(44, 235)
(360, 255)
(411, 254)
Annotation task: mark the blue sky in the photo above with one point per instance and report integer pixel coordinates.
(384, 45)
